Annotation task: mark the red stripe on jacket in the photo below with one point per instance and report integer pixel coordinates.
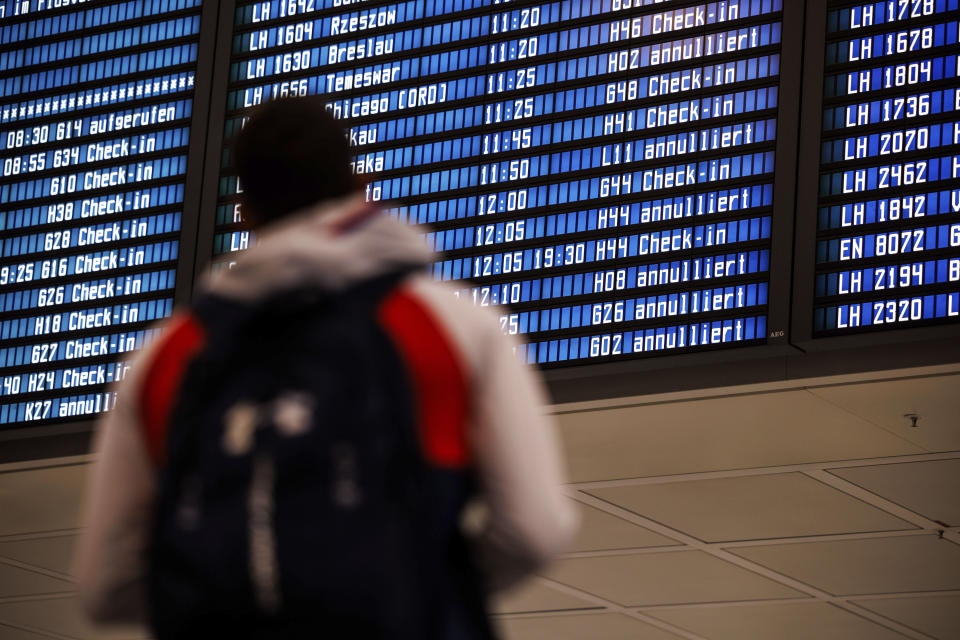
(439, 384)
(163, 378)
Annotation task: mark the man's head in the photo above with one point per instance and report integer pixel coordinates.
(290, 155)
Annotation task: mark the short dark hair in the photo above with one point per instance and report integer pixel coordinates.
(291, 154)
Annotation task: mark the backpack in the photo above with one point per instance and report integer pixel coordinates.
(295, 500)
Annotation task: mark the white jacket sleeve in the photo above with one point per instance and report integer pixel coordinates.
(530, 520)
(110, 560)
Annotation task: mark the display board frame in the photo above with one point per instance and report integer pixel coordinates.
(193, 180)
(808, 189)
(781, 242)
(220, 61)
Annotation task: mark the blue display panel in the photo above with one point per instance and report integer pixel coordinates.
(601, 171)
(96, 103)
(888, 233)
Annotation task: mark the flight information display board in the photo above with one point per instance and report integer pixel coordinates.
(95, 110)
(602, 171)
(888, 227)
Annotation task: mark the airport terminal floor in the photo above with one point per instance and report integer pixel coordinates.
(798, 510)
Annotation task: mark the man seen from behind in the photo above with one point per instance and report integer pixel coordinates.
(293, 457)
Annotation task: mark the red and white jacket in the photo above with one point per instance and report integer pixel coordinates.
(477, 403)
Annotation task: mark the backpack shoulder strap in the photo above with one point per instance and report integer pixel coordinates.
(164, 375)
(438, 377)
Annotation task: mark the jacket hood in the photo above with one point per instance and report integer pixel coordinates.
(331, 246)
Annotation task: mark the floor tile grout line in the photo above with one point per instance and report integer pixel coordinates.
(904, 594)
(830, 537)
(767, 602)
(39, 535)
(35, 630)
(814, 593)
(737, 544)
(37, 597)
(778, 601)
(720, 553)
(877, 619)
(613, 607)
(50, 573)
(551, 613)
(873, 499)
(42, 464)
(761, 471)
